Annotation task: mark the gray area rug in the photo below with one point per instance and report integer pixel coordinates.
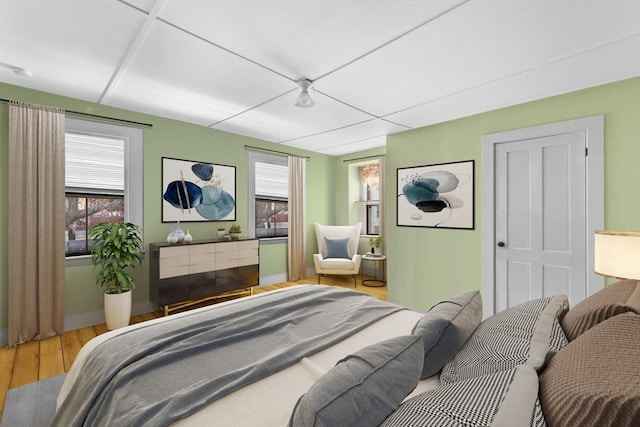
(32, 405)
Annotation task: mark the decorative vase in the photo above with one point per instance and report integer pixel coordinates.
(188, 237)
(117, 309)
(176, 235)
(221, 233)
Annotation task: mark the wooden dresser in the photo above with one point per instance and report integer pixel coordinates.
(184, 274)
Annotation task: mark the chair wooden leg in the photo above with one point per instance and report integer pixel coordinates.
(355, 282)
(319, 275)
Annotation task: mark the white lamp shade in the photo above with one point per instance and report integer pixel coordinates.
(617, 254)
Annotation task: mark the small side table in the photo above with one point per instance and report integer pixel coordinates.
(377, 259)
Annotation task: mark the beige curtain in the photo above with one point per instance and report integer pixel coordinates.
(36, 266)
(297, 191)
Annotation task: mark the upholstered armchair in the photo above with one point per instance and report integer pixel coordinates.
(338, 250)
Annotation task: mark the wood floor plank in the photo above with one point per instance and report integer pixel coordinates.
(100, 329)
(51, 360)
(7, 360)
(86, 334)
(27, 364)
(71, 345)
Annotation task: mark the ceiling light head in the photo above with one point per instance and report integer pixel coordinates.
(304, 99)
(18, 70)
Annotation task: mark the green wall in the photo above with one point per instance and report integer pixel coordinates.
(424, 265)
(168, 138)
(427, 265)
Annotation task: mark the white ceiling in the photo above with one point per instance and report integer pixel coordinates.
(378, 67)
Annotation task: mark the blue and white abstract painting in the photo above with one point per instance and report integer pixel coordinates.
(439, 195)
(197, 191)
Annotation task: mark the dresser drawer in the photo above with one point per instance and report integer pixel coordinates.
(166, 272)
(209, 248)
(248, 244)
(174, 251)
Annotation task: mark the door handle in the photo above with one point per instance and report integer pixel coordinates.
(501, 244)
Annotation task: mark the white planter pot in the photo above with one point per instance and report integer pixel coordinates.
(117, 309)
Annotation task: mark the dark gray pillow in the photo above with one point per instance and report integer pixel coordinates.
(446, 327)
(337, 248)
(365, 387)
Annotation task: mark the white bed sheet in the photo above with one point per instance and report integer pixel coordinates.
(269, 402)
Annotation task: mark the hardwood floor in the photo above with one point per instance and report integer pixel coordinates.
(38, 360)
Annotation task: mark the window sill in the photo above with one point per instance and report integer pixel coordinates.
(80, 260)
(273, 240)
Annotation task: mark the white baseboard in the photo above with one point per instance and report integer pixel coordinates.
(96, 317)
(90, 318)
(271, 280)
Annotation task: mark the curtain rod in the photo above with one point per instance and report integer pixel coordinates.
(95, 116)
(364, 158)
(250, 147)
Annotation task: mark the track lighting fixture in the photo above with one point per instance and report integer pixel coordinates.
(304, 99)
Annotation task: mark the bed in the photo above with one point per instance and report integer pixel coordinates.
(318, 355)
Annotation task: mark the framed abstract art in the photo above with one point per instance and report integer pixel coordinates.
(438, 196)
(197, 191)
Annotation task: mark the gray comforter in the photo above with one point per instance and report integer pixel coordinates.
(157, 374)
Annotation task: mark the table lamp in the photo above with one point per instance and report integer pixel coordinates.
(617, 254)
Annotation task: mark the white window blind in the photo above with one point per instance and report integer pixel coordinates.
(94, 163)
(272, 180)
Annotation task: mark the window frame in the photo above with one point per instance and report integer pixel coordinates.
(133, 170)
(365, 203)
(253, 157)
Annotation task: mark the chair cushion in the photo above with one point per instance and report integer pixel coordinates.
(337, 264)
(338, 232)
(337, 248)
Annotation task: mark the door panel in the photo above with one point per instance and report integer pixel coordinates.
(540, 218)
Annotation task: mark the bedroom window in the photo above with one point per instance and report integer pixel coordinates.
(269, 193)
(370, 198)
(103, 179)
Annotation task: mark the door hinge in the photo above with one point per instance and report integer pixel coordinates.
(586, 151)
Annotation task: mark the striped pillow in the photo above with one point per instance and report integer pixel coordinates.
(529, 333)
(503, 399)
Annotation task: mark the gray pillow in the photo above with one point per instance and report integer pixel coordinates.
(365, 387)
(337, 248)
(446, 327)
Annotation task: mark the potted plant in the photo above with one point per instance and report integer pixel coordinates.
(234, 231)
(375, 244)
(115, 248)
(221, 232)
